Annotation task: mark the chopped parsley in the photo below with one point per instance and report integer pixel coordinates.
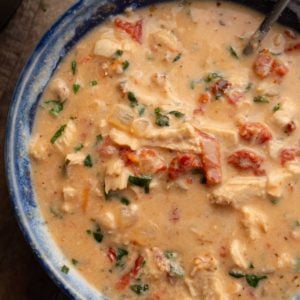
(141, 110)
(143, 181)
(161, 119)
(261, 99)
(252, 279)
(93, 82)
(177, 57)
(76, 88)
(96, 233)
(132, 98)
(212, 76)
(57, 107)
(121, 252)
(58, 133)
(78, 147)
(248, 87)
(139, 289)
(297, 223)
(74, 67)
(65, 269)
(125, 65)
(177, 114)
(125, 200)
(118, 53)
(99, 139)
(276, 107)
(233, 52)
(88, 162)
(170, 254)
(74, 261)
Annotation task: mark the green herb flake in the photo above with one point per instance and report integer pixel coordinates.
(177, 57)
(248, 87)
(58, 133)
(170, 254)
(121, 253)
(74, 67)
(99, 139)
(93, 82)
(97, 233)
(276, 107)
(212, 76)
(65, 269)
(76, 88)
(297, 223)
(233, 52)
(141, 110)
(78, 147)
(118, 53)
(74, 261)
(125, 65)
(192, 84)
(236, 274)
(143, 181)
(88, 162)
(261, 99)
(131, 97)
(253, 280)
(57, 107)
(124, 200)
(177, 114)
(161, 119)
(139, 289)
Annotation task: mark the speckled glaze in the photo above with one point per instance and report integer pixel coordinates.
(78, 20)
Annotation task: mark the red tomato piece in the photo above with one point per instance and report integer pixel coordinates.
(234, 96)
(135, 30)
(174, 215)
(211, 159)
(183, 163)
(111, 254)
(128, 156)
(263, 64)
(219, 87)
(246, 160)
(293, 47)
(290, 127)
(107, 148)
(125, 279)
(288, 154)
(279, 69)
(255, 132)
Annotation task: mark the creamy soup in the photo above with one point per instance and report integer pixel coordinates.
(167, 164)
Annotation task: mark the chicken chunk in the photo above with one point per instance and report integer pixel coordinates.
(67, 137)
(37, 149)
(254, 221)
(285, 114)
(238, 254)
(70, 199)
(277, 181)
(239, 190)
(75, 158)
(164, 39)
(106, 48)
(60, 89)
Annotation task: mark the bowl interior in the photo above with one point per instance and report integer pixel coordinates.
(76, 22)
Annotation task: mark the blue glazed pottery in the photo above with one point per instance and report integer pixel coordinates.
(77, 21)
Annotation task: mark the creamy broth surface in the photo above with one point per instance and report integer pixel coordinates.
(167, 164)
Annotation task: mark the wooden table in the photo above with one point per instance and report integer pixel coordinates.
(21, 277)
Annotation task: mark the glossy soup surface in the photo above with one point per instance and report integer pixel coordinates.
(167, 164)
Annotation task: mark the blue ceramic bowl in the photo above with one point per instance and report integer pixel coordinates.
(78, 20)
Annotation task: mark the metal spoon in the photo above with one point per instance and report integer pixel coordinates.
(264, 27)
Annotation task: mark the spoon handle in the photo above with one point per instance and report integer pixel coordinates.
(265, 26)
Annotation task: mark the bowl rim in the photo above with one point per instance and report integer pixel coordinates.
(27, 233)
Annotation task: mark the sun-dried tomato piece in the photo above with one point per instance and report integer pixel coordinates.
(219, 87)
(128, 156)
(246, 160)
(183, 163)
(263, 63)
(112, 255)
(279, 69)
(107, 148)
(234, 96)
(290, 127)
(135, 30)
(211, 158)
(255, 132)
(125, 279)
(288, 154)
(293, 47)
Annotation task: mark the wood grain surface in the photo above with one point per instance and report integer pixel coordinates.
(21, 277)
